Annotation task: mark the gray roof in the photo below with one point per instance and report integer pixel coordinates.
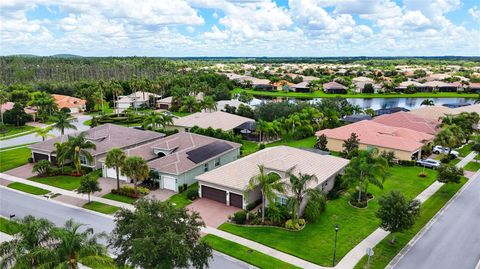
(105, 137)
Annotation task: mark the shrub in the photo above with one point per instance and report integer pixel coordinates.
(240, 217)
(261, 146)
(251, 216)
(364, 197)
(129, 191)
(192, 194)
(406, 163)
(314, 209)
(30, 160)
(42, 167)
(254, 204)
(180, 188)
(294, 225)
(338, 187)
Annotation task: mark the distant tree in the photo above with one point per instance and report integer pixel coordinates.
(368, 88)
(411, 89)
(4, 97)
(136, 169)
(245, 97)
(396, 213)
(245, 111)
(116, 159)
(209, 104)
(88, 184)
(321, 143)
(370, 112)
(427, 102)
(350, 145)
(449, 174)
(16, 116)
(179, 246)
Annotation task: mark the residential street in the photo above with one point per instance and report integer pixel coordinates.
(453, 241)
(30, 138)
(15, 203)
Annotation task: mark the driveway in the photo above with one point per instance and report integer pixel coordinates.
(213, 213)
(24, 171)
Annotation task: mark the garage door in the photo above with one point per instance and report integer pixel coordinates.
(236, 200)
(169, 183)
(214, 194)
(164, 106)
(38, 156)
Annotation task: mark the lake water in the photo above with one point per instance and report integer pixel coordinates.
(378, 103)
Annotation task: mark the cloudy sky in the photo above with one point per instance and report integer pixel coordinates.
(240, 27)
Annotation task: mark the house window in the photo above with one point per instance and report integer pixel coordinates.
(282, 200)
(217, 162)
(205, 167)
(83, 160)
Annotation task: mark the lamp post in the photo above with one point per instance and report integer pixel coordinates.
(335, 245)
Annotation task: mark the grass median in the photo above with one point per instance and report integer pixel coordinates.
(101, 207)
(28, 188)
(472, 166)
(8, 227)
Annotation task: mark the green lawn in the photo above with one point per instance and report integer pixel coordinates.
(8, 227)
(28, 188)
(355, 224)
(245, 254)
(180, 199)
(250, 147)
(181, 114)
(14, 158)
(385, 252)
(101, 207)
(64, 182)
(119, 198)
(14, 131)
(321, 94)
(472, 166)
(465, 150)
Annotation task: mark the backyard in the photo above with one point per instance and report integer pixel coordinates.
(317, 238)
(250, 147)
(13, 158)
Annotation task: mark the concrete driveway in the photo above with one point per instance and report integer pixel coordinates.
(213, 213)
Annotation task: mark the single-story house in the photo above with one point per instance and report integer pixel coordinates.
(9, 105)
(165, 103)
(405, 143)
(233, 103)
(228, 183)
(105, 137)
(136, 100)
(302, 87)
(441, 86)
(410, 121)
(334, 87)
(181, 157)
(216, 120)
(76, 105)
(469, 109)
(403, 85)
(474, 87)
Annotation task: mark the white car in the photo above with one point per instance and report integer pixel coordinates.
(430, 163)
(440, 149)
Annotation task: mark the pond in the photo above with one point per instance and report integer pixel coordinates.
(378, 103)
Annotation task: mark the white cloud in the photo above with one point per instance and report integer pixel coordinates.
(475, 13)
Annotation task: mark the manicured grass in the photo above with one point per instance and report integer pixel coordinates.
(465, 150)
(8, 227)
(120, 198)
(16, 146)
(181, 114)
(14, 131)
(385, 252)
(321, 94)
(472, 166)
(245, 254)
(355, 224)
(28, 188)
(14, 158)
(180, 199)
(101, 207)
(249, 147)
(64, 182)
(454, 162)
(308, 142)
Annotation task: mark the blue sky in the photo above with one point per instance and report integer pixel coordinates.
(241, 27)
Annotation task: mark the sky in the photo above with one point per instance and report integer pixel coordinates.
(241, 28)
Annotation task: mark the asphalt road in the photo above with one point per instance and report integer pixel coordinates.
(30, 138)
(453, 241)
(21, 205)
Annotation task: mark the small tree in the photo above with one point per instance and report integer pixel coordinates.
(350, 145)
(42, 167)
(368, 88)
(396, 214)
(321, 143)
(88, 185)
(449, 174)
(136, 169)
(16, 116)
(116, 159)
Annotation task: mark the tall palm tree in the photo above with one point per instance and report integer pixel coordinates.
(209, 103)
(135, 168)
(64, 121)
(291, 122)
(299, 188)
(44, 133)
(116, 159)
(116, 90)
(260, 128)
(269, 185)
(189, 103)
(63, 153)
(165, 120)
(79, 146)
(4, 97)
(151, 119)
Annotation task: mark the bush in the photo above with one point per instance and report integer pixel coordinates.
(294, 225)
(364, 197)
(239, 217)
(129, 191)
(278, 213)
(30, 160)
(42, 167)
(261, 146)
(338, 187)
(180, 188)
(192, 194)
(254, 204)
(407, 163)
(251, 216)
(314, 209)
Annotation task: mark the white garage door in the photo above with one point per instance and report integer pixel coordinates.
(169, 183)
(111, 173)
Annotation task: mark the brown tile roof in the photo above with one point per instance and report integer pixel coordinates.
(333, 85)
(68, 101)
(432, 112)
(409, 121)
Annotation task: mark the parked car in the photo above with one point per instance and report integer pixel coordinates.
(440, 149)
(430, 163)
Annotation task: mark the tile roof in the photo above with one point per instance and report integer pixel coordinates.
(217, 120)
(333, 85)
(9, 105)
(237, 174)
(432, 112)
(377, 134)
(105, 137)
(138, 96)
(409, 121)
(68, 101)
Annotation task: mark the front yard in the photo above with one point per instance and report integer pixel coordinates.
(315, 242)
(12, 131)
(63, 181)
(14, 158)
(180, 199)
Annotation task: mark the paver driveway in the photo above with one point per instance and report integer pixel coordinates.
(213, 213)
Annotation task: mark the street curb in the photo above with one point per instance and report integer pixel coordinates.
(432, 221)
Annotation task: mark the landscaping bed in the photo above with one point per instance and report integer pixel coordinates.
(28, 188)
(101, 207)
(14, 158)
(355, 224)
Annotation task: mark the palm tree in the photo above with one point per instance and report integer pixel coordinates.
(165, 120)
(269, 185)
(151, 119)
(64, 121)
(291, 122)
(189, 103)
(427, 102)
(135, 168)
(116, 90)
(79, 146)
(4, 97)
(260, 128)
(63, 153)
(116, 159)
(24, 249)
(299, 188)
(209, 103)
(357, 109)
(370, 112)
(44, 133)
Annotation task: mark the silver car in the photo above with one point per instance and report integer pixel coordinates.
(430, 163)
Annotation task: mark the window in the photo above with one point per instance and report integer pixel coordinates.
(281, 200)
(83, 160)
(205, 167)
(217, 162)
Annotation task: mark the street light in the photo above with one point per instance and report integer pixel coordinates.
(335, 245)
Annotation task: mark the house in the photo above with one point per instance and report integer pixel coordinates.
(360, 83)
(390, 110)
(76, 105)
(233, 103)
(261, 84)
(432, 112)
(405, 143)
(474, 87)
(216, 119)
(181, 157)
(105, 137)
(228, 183)
(469, 109)
(404, 85)
(9, 105)
(409, 121)
(334, 87)
(455, 105)
(441, 86)
(301, 87)
(136, 100)
(165, 103)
